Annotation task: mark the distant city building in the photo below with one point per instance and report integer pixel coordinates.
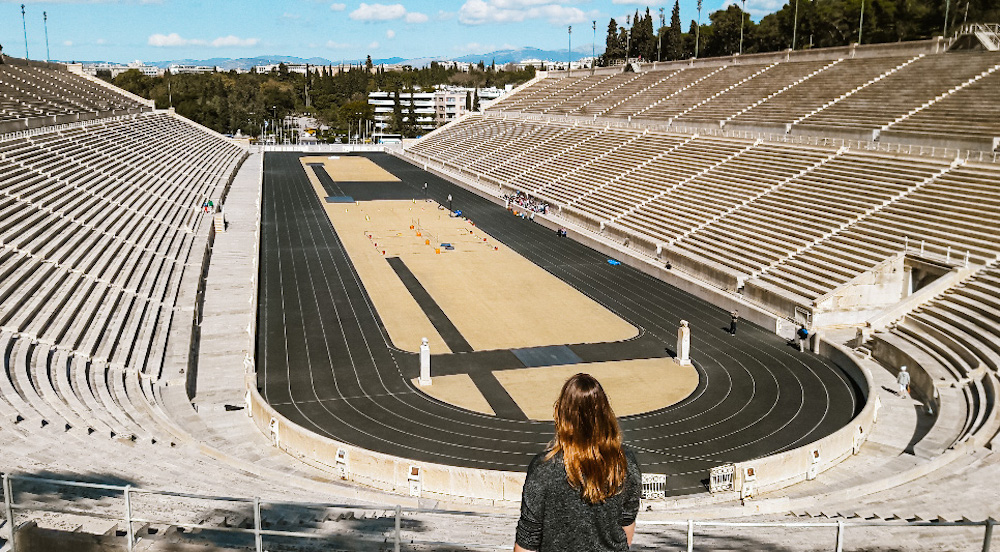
(116, 69)
(433, 109)
(147, 70)
(299, 68)
(384, 102)
(557, 65)
(191, 69)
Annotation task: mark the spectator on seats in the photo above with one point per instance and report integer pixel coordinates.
(582, 493)
(204, 206)
(903, 380)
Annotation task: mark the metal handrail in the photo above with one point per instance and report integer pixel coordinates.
(258, 531)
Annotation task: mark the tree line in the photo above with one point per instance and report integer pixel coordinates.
(336, 95)
(809, 23)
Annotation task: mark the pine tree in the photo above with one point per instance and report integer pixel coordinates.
(674, 45)
(413, 126)
(646, 46)
(613, 47)
(397, 113)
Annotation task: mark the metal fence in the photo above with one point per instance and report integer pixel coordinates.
(127, 505)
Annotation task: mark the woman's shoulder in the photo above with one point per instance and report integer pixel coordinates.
(542, 461)
(631, 460)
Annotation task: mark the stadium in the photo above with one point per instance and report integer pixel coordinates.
(213, 345)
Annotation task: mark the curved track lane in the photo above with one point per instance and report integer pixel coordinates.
(325, 360)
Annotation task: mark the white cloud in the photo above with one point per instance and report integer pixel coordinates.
(756, 8)
(474, 48)
(67, 43)
(338, 7)
(477, 12)
(390, 34)
(386, 12)
(378, 12)
(290, 16)
(231, 40)
(101, 41)
(373, 46)
(337, 45)
(174, 39)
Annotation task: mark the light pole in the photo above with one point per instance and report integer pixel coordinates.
(659, 36)
(593, 50)
(25, 27)
(944, 32)
(795, 23)
(569, 51)
(628, 39)
(861, 23)
(742, 23)
(45, 19)
(697, 31)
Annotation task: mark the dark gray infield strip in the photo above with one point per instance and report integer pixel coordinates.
(449, 333)
(494, 393)
(325, 361)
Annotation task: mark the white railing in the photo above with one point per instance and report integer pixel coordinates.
(840, 525)
(328, 148)
(989, 32)
(54, 496)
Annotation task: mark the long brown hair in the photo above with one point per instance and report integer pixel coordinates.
(588, 435)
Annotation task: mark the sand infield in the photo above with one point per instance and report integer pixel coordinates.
(633, 386)
(351, 169)
(494, 297)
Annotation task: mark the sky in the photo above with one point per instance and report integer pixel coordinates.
(158, 30)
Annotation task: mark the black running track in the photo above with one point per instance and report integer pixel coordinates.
(326, 362)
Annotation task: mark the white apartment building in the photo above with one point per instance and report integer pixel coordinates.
(433, 109)
(116, 69)
(423, 104)
(190, 69)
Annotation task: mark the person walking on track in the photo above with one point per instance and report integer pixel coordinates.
(733, 318)
(903, 381)
(582, 493)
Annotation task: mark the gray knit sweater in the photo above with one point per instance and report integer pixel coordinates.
(555, 518)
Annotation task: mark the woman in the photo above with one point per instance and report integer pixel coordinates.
(582, 494)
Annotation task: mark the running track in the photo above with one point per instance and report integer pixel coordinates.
(325, 361)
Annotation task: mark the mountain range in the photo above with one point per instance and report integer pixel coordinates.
(500, 57)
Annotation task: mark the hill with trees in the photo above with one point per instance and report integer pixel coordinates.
(335, 95)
